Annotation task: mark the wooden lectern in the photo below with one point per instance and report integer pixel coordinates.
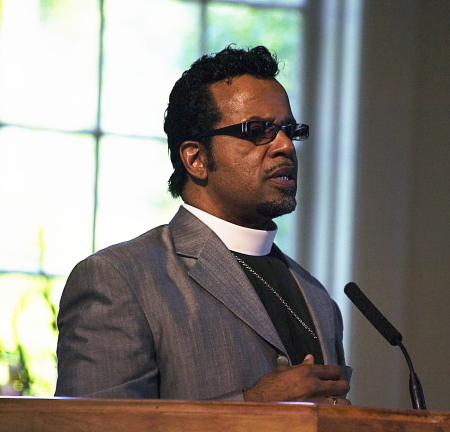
(102, 415)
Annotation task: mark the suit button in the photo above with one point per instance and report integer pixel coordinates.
(283, 360)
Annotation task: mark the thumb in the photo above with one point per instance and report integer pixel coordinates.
(309, 359)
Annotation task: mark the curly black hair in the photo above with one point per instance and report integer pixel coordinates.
(192, 109)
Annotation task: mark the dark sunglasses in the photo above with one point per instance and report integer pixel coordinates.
(260, 132)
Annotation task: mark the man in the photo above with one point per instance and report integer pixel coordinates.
(207, 307)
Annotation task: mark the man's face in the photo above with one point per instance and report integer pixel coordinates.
(251, 184)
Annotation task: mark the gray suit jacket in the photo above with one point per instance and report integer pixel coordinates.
(172, 315)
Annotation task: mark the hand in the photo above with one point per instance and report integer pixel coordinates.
(305, 382)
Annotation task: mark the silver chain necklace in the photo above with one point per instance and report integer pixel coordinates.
(304, 325)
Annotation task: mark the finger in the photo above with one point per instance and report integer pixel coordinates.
(314, 381)
(332, 388)
(330, 400)
(339, 388)
(337, 401)
(326, 372)
(309, 359)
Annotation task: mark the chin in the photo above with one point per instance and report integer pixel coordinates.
(273, 209)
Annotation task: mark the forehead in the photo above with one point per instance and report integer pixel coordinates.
(247, 96)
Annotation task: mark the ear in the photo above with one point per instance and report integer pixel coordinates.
(193, 156)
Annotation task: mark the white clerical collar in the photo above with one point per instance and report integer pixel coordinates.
(237, 238)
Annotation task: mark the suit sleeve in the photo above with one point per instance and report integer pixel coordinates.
(105, 345)
(339, 327)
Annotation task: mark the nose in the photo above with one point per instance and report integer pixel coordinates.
(282, 146)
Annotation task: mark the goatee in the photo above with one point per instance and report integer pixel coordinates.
(273, 209)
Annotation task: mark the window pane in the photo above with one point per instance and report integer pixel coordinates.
(28, 334)
(133, 193)
(48, 63)
(271, 2)
(46, 196)
(49, 60)
(148, 44)
(250, 26)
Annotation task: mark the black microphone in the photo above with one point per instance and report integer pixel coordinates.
(391, 334)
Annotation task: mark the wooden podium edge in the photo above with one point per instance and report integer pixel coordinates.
(24, 414)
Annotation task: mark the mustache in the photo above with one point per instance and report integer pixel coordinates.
(289, 165)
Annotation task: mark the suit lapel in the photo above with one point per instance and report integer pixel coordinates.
(320, 307)
(216, 270)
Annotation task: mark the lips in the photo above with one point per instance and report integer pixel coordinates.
(285, 175)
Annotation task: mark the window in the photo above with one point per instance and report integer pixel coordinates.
(83, 157)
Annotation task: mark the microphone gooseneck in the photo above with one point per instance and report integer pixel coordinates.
(391, 334)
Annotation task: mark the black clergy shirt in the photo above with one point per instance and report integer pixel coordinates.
(296, 339)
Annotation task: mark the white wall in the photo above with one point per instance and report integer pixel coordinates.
(402, 225)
